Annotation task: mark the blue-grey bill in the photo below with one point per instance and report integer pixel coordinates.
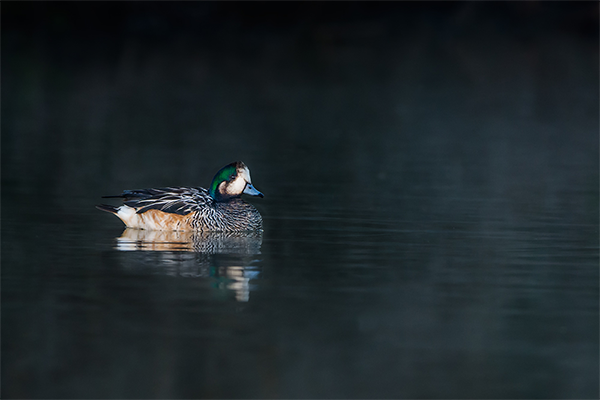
(251, 191)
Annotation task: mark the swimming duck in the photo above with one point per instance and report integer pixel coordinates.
(220, 208)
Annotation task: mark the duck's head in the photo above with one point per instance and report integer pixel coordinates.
(231, 181)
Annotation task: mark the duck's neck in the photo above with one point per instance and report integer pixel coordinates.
(220, 196)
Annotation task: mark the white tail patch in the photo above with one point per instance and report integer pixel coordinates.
(128, 216)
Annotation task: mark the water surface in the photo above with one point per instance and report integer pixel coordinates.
(430, 211)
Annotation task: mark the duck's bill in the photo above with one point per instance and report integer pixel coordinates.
(251, 191)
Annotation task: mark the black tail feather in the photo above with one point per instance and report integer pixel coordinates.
(135, 194)
(107, 208)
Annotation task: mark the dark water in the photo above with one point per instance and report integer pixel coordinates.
(430, 211)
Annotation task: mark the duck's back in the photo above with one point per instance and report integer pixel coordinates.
(175, 200)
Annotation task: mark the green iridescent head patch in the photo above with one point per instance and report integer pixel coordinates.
(227, 173)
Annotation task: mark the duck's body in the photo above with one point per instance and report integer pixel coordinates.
(219, 208)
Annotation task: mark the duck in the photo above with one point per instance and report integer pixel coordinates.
(219, 208)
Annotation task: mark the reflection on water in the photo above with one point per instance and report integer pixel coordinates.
(240, 280)
(224, 258)
(204, 242)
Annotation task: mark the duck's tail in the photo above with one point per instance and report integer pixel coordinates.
(107, 208)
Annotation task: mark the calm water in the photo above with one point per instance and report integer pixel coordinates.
(430, 211)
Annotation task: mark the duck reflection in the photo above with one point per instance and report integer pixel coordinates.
(204, 242)
(225, 258)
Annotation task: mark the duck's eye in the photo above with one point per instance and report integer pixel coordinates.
(231, 177)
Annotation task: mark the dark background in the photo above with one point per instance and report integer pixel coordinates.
(430, 173)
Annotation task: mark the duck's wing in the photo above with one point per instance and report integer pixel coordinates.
(176, 200)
